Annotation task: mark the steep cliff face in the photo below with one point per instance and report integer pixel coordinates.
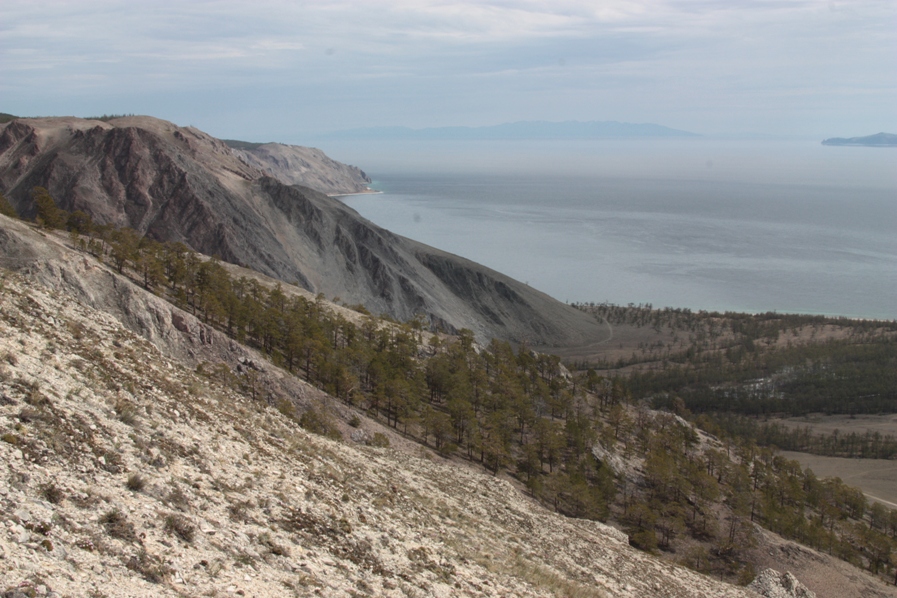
(305, 166)
(180, 184)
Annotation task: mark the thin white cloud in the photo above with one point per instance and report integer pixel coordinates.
(675, 53)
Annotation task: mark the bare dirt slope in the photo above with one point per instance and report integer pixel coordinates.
(825, 575)
(127, 473)
(44, 258)
(180, 184)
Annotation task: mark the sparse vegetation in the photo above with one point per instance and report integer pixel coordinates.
(52, 493)
(126, 412)
(107, 117)
(177, 498)
(151, 568)
(135, 483)
(319, 421)
(380, 440)
(508, 409)
(5, 207)
(118, 526)
(180, 526)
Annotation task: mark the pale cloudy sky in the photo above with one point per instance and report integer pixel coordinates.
(283, 70)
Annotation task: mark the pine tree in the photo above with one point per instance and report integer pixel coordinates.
(48, 214)
(6, 208)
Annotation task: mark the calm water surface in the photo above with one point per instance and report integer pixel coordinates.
(705, 224)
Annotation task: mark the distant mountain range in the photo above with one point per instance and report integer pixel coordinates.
(877, 140)
(531, 130)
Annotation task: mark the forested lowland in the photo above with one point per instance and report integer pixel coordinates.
(583, 441)
(869, 444)
(759, 364)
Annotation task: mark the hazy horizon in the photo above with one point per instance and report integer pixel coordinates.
(748, 226)
(771, 160)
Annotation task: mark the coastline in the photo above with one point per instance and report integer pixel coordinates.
(368, 192)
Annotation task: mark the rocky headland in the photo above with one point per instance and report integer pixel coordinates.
(304, 166)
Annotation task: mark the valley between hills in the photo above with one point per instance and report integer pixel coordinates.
(179, 424)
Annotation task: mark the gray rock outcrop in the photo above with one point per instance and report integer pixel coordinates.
(772, 584)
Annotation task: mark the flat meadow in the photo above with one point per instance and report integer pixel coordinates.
(877, 478)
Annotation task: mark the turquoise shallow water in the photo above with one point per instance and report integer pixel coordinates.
(716, 225)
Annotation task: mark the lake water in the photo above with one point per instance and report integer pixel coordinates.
(755, 226)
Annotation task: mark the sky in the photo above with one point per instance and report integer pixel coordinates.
(278, 70)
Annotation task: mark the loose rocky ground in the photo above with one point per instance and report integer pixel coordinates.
(132, 472)
(825, 575)
(129, 474)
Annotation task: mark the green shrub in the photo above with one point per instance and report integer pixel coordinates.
(6, 208)
(286, 407)
(320, 422)
(48, 214)
(380, 440)
(644, 539)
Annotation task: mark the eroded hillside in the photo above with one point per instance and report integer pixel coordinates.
(663, 498)
(179, 184)
(132, 474)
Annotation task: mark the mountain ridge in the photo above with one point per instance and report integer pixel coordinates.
(180, 184)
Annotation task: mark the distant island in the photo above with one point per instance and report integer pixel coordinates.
(878, 140)
(531, 130)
